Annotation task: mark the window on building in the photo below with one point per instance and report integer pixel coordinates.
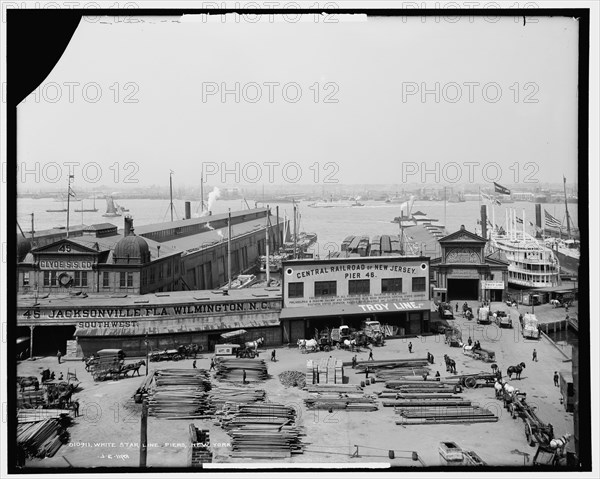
(46, 278)
(391, 285)
(325, 288)
(176, 267)
(26, 278)
(152, 275)
(50, 278)
(169, 269)
(161, 271)
(418, 284)
(122, 279)
(295, 290)
(80, 278)
(105, 279)
(359, 286)
(129, 280)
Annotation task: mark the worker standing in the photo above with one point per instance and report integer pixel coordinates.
(534, 358)
(194, 365)
(244, 376)
(59, 355)
(556, 378)
(273, 353)
(354, 362)
(212, 364)
(410, 347)
(371, 355)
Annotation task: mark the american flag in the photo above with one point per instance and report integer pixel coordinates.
(551, 221)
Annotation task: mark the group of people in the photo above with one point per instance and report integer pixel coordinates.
(476, 345)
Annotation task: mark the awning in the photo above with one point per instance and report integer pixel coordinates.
(353, 309)
(190, 325)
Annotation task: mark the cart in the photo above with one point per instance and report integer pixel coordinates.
(165, 355)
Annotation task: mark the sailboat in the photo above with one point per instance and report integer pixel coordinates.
(87, 210)
(111, 210)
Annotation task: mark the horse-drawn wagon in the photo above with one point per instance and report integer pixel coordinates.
(485, 355)
(536, 431)
(241, 349)
(453, 337)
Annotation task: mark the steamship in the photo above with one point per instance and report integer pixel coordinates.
(531, 264)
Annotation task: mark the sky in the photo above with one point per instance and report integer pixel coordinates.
(379, 101)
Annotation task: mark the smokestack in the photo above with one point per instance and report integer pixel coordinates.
(128, 225)
(538, 220)
(188, 210)
(483, 221)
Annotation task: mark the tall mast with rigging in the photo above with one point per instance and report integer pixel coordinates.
(566, 208)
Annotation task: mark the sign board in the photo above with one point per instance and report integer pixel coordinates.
(130, 314)
(456, 273)
(492, 284)
(382, 280)
(66, 264)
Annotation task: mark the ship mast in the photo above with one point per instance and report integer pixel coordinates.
(295, 234)
(68, 203)
(566, 209)
(202, 194)
(171, 192)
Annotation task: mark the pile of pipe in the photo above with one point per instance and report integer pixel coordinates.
(395, 368)
(233, 370)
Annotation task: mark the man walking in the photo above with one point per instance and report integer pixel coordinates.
(244, 376)
(534, 358)
(367, 373)
(371, 355)
(273, 353)
(59, 355)
(194, 364)
(354, 362)
(212, 364)
(410, 347)
(556, 378)
(457, 307)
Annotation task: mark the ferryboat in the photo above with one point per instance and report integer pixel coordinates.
(111, 209)
(337, 203)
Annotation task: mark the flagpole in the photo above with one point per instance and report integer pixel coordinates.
(69, 203)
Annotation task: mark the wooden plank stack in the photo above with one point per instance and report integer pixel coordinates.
(325, 371)
(396, 369)
(264, 431)
(233, 370)
(42, 438)
(180, 393)
(144, 387)
(222, 395)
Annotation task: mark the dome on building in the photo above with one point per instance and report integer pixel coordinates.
(131, 250)
(23, 247)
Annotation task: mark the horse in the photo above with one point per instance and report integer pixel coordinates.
(255, 344)
(135, 367)
(188, 350)
(90, 362)
(450, 364)
(498, 386)
(517, 370)
(560, 443)
(349, 344)
(28, 381)
(308, 344)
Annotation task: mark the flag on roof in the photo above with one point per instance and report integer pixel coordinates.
(501, 189)
(551, 221)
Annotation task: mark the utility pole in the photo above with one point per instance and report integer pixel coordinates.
(201, 194)
(268, 262)
(229, 249)
(566, 208)
(171, 192)
(144, 434)
(32, 231)
(295, 235)
(146, 342)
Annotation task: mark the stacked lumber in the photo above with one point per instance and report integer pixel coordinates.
(311, 372)
(404, 403)
(31, 399)
(180, 393)
(42, 438)
(233, 370)
(264, 431)
(222, 395)
(420, 386)
(293, 379)
(391, 363)
(37, 415)
(341, 401)
(341, 388)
